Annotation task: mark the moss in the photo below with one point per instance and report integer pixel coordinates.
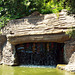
(71, 32)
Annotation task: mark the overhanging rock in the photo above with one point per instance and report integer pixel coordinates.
(60, 38)
(44, 28)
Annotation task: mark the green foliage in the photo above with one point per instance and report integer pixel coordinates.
(51, 6)
(71, 32)
(12, 9)
(71, 6)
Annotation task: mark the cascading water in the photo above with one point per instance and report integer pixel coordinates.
(39, 53)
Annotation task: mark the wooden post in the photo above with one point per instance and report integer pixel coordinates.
(33, 47)
(48, 46)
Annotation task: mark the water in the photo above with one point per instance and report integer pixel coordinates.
(20, 70)
(42, 53)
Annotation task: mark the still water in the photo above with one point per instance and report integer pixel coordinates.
(21, 70)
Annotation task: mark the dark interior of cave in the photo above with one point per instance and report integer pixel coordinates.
(40, 53)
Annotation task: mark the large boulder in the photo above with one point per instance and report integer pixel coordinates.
(71, 64)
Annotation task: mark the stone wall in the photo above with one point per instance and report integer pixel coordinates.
(45, 28)
(8, 54)
(40, 25)
(60, 38)
(2, 41)
(71, 65)
(69, 49)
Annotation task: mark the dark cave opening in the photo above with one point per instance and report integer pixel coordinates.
(40, 53)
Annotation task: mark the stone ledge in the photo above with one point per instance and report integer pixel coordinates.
(45, 24)
(61, 66)
(68, 68)
(60, 38)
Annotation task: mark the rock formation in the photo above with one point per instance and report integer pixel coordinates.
(38, 28)
(71, 65)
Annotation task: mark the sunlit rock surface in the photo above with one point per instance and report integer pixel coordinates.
(71, 64)
(38, 28)
(40, 24)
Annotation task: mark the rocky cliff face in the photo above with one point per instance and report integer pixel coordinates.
(40, 24)
(71, 65)
(39, 28)
(8, 54)
(2, 41)
(69, 49)
(72, 59)
(71, 54)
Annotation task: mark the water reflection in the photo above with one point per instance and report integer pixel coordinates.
(62, 72)
(8, 70)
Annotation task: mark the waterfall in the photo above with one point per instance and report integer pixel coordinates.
(43, 53)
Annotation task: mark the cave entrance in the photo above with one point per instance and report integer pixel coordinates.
(40, 53)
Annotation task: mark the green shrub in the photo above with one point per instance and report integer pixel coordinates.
(71, 32)
(70, 6)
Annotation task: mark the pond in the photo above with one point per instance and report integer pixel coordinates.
(21, 70)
